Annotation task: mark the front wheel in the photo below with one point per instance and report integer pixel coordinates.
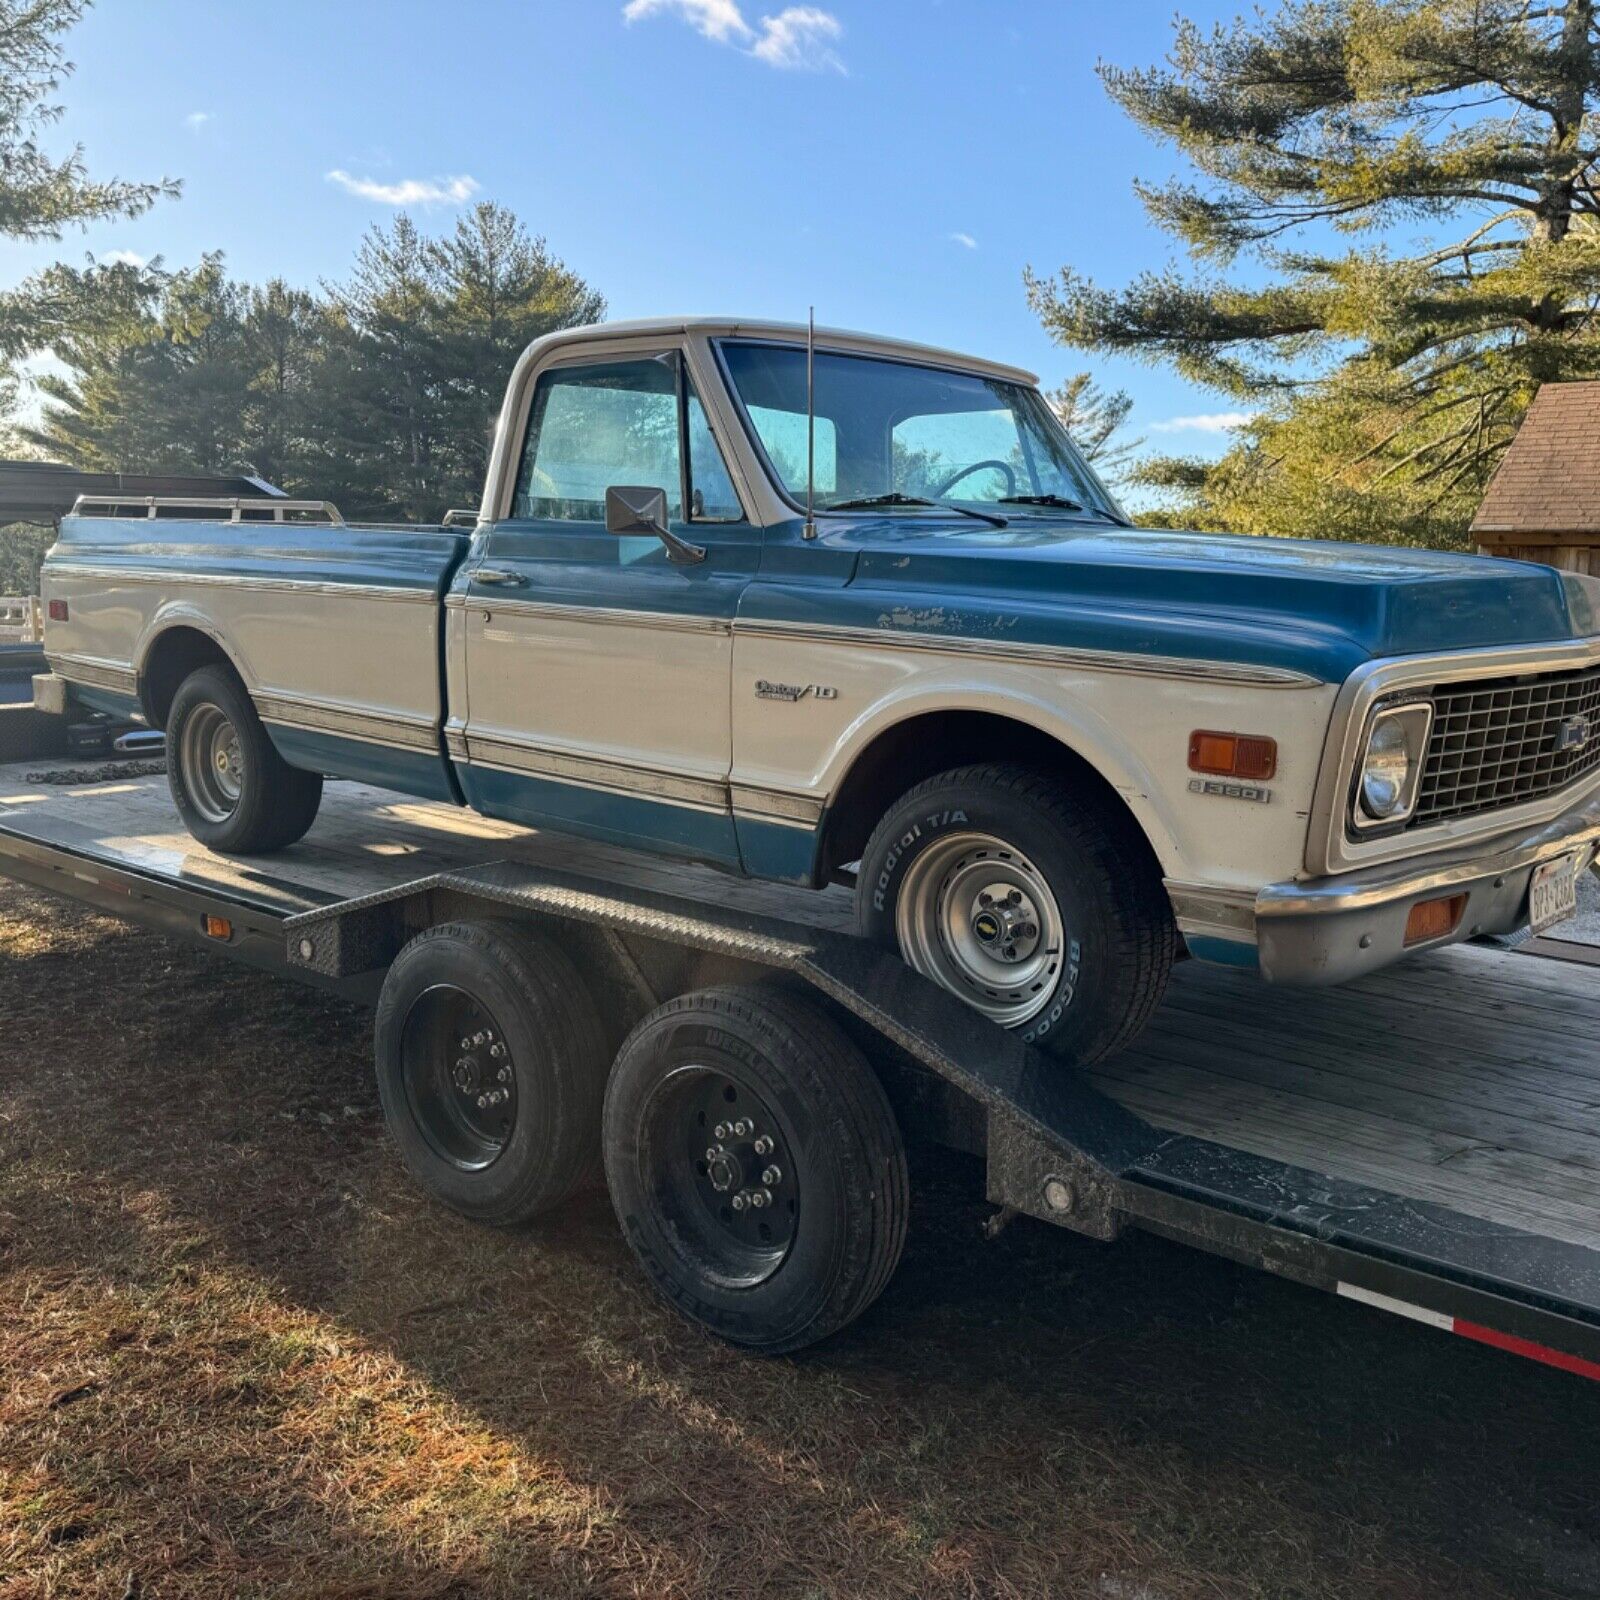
(1040, 909)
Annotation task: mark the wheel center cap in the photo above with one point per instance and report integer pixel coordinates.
(987, 926)
(724, 1172)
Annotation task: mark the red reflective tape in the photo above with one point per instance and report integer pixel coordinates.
(1526, 1347)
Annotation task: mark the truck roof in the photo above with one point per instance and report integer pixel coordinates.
(788, 333)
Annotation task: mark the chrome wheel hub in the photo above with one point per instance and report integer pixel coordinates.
(212, 763)
(979, 918)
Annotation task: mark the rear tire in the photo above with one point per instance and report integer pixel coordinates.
(734, 1093)
(491, 1058)
(233, 790)
(1042, 909)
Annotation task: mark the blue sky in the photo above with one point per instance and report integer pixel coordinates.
(897, 162)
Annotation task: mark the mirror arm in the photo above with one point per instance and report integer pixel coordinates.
(679, 551)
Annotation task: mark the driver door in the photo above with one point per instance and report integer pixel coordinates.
(598, 670)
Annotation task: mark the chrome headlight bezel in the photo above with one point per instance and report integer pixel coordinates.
(1414, 721)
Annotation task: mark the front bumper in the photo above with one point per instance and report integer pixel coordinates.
(1328, 930)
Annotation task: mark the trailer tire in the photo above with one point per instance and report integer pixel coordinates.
(233, 790)
(1094, 936)
(473, 1010)
(697, 1091)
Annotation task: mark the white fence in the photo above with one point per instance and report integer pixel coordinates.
(21, 620)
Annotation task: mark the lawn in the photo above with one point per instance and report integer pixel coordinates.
(240, 1355)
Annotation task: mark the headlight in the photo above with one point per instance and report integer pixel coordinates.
(1391, 764)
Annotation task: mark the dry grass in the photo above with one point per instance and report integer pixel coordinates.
(239, 1355)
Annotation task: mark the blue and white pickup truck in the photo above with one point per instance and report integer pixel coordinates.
(1052, 750)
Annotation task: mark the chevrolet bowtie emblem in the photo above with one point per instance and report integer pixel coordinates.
(1573, 734)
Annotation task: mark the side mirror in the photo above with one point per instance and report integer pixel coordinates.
(633, 511)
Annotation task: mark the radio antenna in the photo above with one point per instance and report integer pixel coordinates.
(810, 529)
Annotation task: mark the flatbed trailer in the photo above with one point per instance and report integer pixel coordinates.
(1426, 1140)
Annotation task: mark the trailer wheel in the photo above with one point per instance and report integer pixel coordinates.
(233, 790)
(1042, 909)
(491, 1058)
(755, 1166)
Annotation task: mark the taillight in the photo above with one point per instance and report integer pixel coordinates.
(58, 610)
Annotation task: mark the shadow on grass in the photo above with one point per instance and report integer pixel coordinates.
(311, 1381)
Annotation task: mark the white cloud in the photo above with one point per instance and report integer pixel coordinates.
(798, 38)
(408, 191)
(196, 120)
(124, 258)
(965, 240)
(1204, 422)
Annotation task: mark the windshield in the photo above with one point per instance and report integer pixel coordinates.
(890, 429)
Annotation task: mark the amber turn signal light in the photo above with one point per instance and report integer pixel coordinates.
(1433, 919)
(217, 927)
(1233, 755)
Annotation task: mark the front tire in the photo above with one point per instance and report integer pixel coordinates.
(1041, 910)
(755, 1166)
(233, 790)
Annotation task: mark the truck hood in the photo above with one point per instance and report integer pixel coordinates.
(1314, 606)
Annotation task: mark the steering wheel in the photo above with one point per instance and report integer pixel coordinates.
(977, 466)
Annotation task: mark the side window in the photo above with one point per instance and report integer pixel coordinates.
(593, 426)
(616, 422)
(711, 489)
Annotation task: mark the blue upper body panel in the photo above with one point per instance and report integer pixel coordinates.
(1316, 607)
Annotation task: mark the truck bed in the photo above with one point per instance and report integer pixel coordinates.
(1468, 1079)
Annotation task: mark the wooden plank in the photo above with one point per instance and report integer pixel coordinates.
(1570, 1137)
(1534, 1195)
(1492, 1063)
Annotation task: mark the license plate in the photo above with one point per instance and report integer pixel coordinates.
(1553, 893)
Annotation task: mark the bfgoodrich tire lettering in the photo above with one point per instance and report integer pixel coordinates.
(806, 1122)
(1041, 908)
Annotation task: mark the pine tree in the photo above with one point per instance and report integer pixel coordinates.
(42, 195)
(1453, 144)
(1093, 416)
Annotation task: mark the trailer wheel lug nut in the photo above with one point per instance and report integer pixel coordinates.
(738, 1202)
(720, 1132)
(763, 1146)
(504, 1074)
(771, 1176)
(483, 1102)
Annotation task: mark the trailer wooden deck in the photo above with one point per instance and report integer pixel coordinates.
(1469, 1078)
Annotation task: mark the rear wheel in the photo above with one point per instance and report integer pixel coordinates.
(233, 790)
(755, 1166)
(491, 1059)
(1043, 910)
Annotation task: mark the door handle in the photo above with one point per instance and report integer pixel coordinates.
(497, 578)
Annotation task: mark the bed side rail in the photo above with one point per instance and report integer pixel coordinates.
(219, 508)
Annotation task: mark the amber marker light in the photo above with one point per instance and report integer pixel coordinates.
(1233, 755)
(217, 927)
(1433, 919)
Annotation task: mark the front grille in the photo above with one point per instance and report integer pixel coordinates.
(1500, 743)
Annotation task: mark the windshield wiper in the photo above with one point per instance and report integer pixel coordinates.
(1060, 501)
(870, 502)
